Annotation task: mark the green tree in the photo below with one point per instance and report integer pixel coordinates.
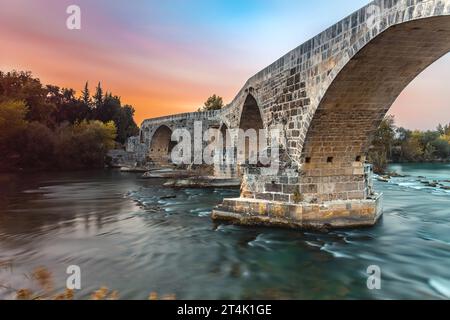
(85, 144)
(445, 137)
(108, 109)
(111, 110)
(213, 103)
(413, 149)
(67, 106)
(381, 148)
(98, 96)
(86, 95)
(12, 115)
(37, 146)
(21, 86)
(126, 127)
(12, 123)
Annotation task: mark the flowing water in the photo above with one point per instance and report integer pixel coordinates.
(136, 237)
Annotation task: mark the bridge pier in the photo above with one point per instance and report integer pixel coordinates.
(329, 214)
(296, 200)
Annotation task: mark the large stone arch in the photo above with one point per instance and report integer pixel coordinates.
(161, 145)
(361, 94)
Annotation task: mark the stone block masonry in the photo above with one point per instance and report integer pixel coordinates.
(328, 215)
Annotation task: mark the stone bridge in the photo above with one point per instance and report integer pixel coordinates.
(328, 95)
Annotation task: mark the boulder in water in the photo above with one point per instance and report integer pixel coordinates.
(203, 182)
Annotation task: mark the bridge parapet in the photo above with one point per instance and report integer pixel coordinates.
(182, 116)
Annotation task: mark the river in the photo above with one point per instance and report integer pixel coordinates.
(136, 237)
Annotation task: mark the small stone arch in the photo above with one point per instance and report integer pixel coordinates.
(251, 118)
(226, 136)
(161, 145)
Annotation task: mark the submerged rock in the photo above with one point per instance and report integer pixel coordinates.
(397, 175)
(166, 174)
(431, 184)
(133, 169)
(168, 197)
(434, 184)
(203, 182)
(383, 178)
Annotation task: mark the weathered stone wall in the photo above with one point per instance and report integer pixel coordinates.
(143, 143)
(335, 214)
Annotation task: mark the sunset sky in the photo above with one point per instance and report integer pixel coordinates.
(167, 57)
